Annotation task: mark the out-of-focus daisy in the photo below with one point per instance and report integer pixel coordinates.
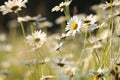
(3, 37)
(73, 26)
(60, 62)
(62, 37)
(34, 62)
(38, 18)
(5, 64)
(103, 35)
(13, 6)
(60, 19)
(115, 14)
(6, 48)
(58, 46)
(100, 73)
(70, 70)
(13, 24)
(96, 45)
(28, 73)
(36, 39)
(109, 5)
(61, 6)
(45, 24)
(89, 22)
(46, 77)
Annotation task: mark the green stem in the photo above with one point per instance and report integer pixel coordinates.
(22, 27)
(32, 28)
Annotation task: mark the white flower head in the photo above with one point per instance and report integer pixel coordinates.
(3, 37)
(115, 14)
(37, 18)
(58, 46)
(109, 5)
(45, 24)
(61, 6)
(13, 6)
(89, 22)
(60, 20)
(96, 45)
(70, 70)
(37, 39)
(46, 77)
(73, 26)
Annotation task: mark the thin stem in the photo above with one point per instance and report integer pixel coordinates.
(32, 28)
(45, 62)
(22, 27)
(97, 57)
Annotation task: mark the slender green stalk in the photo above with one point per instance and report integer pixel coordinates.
(67, 12)
(22, 28)
(45, 63)
(32, 28)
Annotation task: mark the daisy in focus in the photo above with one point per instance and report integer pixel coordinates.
(13, 6)
(36, 39)
(61, 6)
(89, 22)
(73, 26)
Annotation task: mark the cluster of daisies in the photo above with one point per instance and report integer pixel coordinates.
(95, 32)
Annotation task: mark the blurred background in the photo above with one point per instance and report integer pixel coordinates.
(43, 7)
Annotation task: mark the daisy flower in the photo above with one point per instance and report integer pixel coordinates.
(3, 37)
(58, 46)
(73, 26)
(31, 19)
(45, 24)
(60, 20)
(36, 39)
(61, 6)
(70, 70)
(115, 14)
(96, 45)
(46, 77)
(89, 22)
(109, 5)
(13, 6)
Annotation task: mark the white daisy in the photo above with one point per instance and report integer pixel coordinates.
(60, 20)
(12, 6)
(46, 77)
(45, 24)
(70, 70)
(37, 39)
(58, 46)
(3, 37)
(115, 14)
(89, 22)
(96, 45)
(37, 18)
(73, 26)
(109, 5)
(61, 6)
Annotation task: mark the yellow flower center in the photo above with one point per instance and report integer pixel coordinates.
(86, 24)
(74, 26)
(37, 39)
(68, 70)
(14, 7)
